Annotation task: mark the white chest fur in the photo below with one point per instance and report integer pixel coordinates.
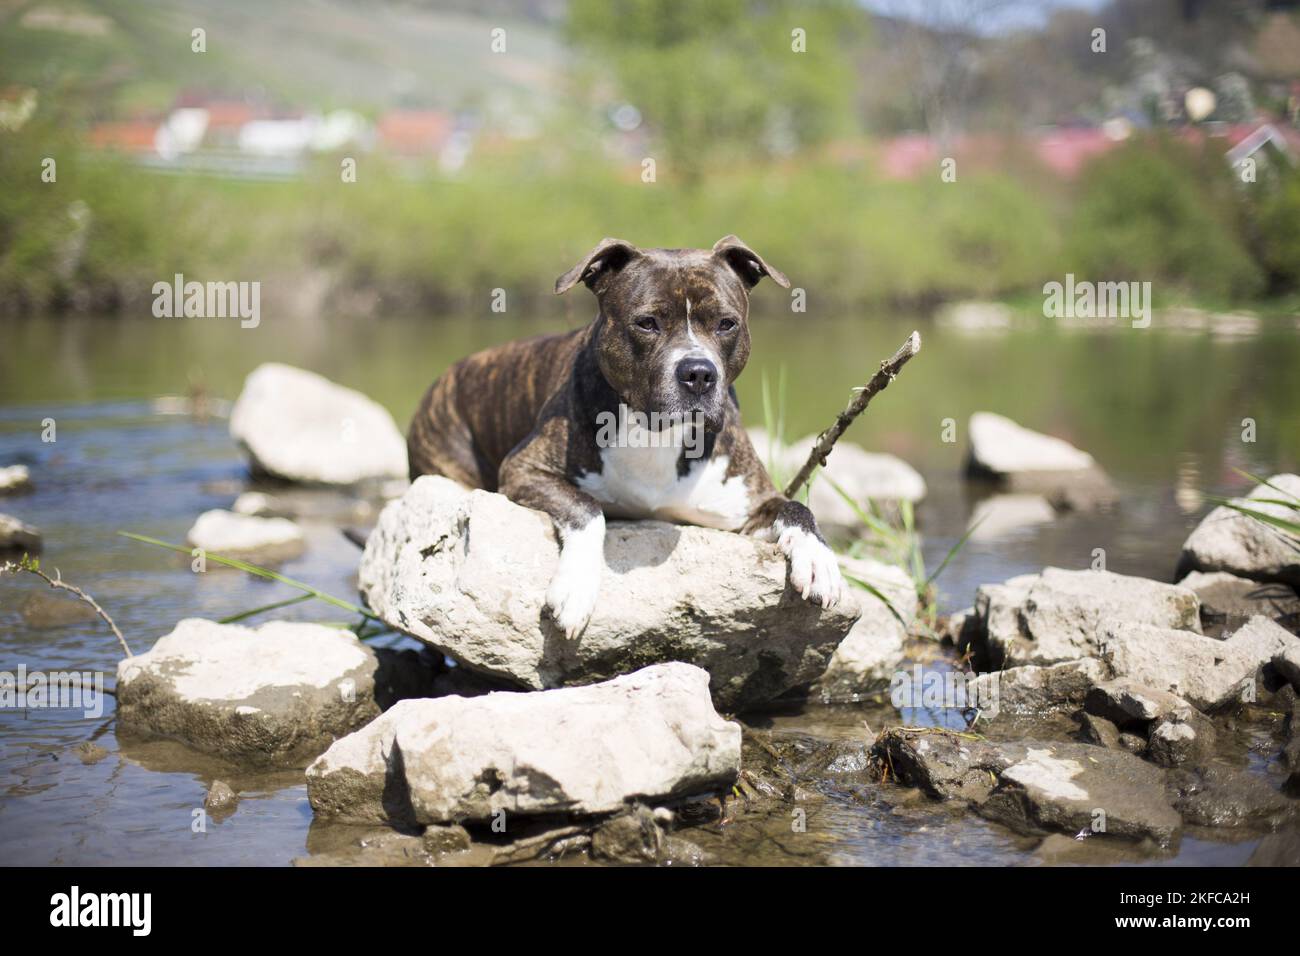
(639, 480)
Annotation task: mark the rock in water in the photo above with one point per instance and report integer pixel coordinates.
(467, 572)
(1227, 601)
(302, 427)
(16, 537)
(1022, 460)
(1055, 616)
(224, 532)
(15, 479)
(277, 694)
(1227, 540)
(650, 735)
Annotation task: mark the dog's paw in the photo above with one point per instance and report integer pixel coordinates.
(814, 570)
(571, 597)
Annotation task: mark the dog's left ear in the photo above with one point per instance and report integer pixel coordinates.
(747, 263)
(610, 256)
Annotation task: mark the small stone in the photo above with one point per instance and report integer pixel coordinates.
(17, 537)
(15, 479)
(227, 533)
(220, 797)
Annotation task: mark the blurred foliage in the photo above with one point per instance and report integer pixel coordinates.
(716, 79)
(1160, 211)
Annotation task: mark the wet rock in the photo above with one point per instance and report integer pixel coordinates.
(1216, 796)
(276, 694)
(1287, 663)
(649, 735)
(89, 752)
(1277, 849)
(1020, 460)
(301, 427)
(869, 656)
(1001, 515)
(221, 799)
(227, 533)
(633, 837)
(1036, 785)
(1125, 702)
(1228, 601)
(42, 609)
(1227, 540)
(1072, 787)
(377, 847)
(467, 572)
(260, 505)
(1056, 615)
(1031, 689)
(1098, 730)
(17, 538)
(15, 479)
(1176, 733)
(447, 838)
(1208, 673)
(1172, 742)
(945, 765)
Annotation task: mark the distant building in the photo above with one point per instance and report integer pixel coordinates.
(415, 132)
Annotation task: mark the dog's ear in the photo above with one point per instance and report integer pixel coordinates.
(610, 256)
(747, 263)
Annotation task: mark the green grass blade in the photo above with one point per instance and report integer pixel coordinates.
(952, 552)
(876, 592)
(245, 615)
(1291, 528)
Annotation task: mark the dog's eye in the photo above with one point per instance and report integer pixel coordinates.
(647, 323)
(726, 325)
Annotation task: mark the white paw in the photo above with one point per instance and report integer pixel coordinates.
(814, 571)
(571, 597)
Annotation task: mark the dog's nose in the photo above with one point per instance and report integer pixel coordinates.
(697, 375)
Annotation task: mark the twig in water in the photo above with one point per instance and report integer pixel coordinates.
(33, 566)
(889, 370)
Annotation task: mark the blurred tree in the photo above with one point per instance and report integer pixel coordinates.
(719, 80)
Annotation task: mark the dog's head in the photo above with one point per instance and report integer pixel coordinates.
(673, 330)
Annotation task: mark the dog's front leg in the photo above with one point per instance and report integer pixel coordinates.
(580, 526)
(814, 570)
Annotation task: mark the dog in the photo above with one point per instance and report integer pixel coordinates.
(633, 416)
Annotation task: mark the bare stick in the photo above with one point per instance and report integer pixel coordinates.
(57, 582)
(863, 394)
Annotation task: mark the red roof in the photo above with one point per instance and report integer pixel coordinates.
(414, 131)
(136, 136)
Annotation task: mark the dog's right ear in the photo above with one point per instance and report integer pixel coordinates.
(610, 256)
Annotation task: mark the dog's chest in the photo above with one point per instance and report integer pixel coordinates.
(643, 482)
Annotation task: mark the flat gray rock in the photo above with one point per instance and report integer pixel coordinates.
(1206, 672)
(467, 572)
(1227, 540)
(1021, 460)
(277, 694)
(1057, 615)
(651, 735)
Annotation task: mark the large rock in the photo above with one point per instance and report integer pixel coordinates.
(224, 532)
(17, 537)
(1036, 785)
(1207, 673)
(299, 426)
(1031, 690)
(467, 572)
(1227, 601)
(1056, 615)
(651, 735)
(1022, 460)
(867, 477)
(1227, 540)
(277, 694)
(15, 479)
(1176, 733)
(867, 659)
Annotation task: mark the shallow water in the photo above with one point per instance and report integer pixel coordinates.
(1162, 411)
